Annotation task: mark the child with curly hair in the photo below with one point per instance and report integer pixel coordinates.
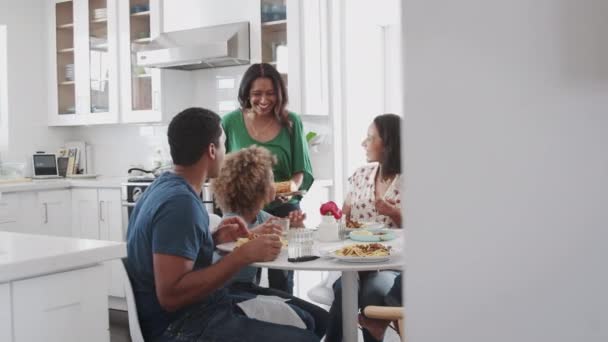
(244, 186)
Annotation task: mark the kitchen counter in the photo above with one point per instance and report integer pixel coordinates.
(56, 285)
(27, 255)
(63, 183)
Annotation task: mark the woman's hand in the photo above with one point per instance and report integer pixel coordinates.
(268, 227)
(229, 230)
(296, 219)
(387, 207)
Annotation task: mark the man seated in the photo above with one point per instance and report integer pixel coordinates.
(178, 290)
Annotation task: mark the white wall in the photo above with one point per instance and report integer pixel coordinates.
(371, 57)
(507, 170)
(27, 81)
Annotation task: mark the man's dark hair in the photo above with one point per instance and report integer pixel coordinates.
(389, 129)
(191, 132)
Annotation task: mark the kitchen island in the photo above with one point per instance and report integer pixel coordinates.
(54, 288)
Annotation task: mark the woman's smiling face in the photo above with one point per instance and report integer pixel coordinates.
(262, 96)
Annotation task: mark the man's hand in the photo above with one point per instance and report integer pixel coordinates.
(271, 226)
(296, 219)
(229, 230)
(264, 248)
(387, 208)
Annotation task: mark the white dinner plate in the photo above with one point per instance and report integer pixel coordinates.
(372, 225)
(358, 259)
(226, 247)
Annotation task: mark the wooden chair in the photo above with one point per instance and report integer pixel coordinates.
(394, 314)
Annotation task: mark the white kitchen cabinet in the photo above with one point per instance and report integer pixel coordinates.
(147, 94)
(111, 228)
(85, 214)
(97, 214)
(6, 325)
(10, 212)
(69, 299)
(83, 36)
(54, 208)
(296, 44)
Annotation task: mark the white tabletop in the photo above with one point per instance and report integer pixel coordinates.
(396, 260)
(28, 255)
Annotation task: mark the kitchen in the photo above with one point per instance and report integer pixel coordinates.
(505, 154)
(122, 117)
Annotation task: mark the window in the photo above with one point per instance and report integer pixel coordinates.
(3, 90)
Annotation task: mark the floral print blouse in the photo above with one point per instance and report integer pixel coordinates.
(363, 195)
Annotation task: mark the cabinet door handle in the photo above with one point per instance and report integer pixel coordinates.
(101, 211)
(46, 212)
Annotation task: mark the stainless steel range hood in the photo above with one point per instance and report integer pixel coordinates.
(200, 48)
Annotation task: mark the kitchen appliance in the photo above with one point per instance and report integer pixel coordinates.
(134, 188)
(45, 166)
(199, 48)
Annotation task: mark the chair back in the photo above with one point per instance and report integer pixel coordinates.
(134, 328)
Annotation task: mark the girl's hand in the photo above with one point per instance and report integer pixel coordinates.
(296, 219)
(268, 227)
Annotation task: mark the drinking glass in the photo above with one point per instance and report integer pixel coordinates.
(300, 243)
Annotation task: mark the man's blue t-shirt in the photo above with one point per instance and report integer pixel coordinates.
(168, 219)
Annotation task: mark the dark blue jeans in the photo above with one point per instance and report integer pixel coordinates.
(225, 322)
(373, 288)
(280, 279)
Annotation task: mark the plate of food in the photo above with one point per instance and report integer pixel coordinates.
(368, 252)
(366, 235)
(230, 246)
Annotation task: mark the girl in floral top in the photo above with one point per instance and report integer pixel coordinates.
(373, 197)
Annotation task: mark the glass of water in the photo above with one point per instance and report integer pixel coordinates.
(300, 243)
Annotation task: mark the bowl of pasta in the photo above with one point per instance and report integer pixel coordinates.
(363, 252)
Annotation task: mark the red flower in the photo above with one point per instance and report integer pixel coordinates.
(331, 208)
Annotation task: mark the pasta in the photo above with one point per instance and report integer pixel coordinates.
(353, 224)
(364, 250)
(253, 236)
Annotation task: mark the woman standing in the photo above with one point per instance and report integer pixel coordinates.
(263, 120)
(374, 195)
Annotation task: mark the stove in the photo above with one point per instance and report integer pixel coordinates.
(134, 188)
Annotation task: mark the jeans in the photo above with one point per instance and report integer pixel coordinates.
(225, 322)
(374, 286)
(280, 279)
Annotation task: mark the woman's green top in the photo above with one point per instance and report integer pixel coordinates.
(290, 149)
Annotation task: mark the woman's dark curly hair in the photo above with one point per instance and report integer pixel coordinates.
(245, 180)
(389, 129)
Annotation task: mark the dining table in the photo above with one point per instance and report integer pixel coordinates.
(349, 270)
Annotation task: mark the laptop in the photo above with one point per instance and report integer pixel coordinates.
(45, 166)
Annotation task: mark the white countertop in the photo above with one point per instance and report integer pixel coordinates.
(99, 182)
(63, 183)
(26, 255)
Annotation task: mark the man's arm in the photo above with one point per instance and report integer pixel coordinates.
(177, 285)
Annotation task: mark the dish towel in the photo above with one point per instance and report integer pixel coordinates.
(271, 309)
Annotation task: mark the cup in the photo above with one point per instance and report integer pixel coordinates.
(284, 223)
(300, 243)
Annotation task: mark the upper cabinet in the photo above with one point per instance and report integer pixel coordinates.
(94, 77)
(294, 39)
(147, 94)
(84, 62)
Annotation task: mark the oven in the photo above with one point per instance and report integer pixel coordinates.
(134, 188)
